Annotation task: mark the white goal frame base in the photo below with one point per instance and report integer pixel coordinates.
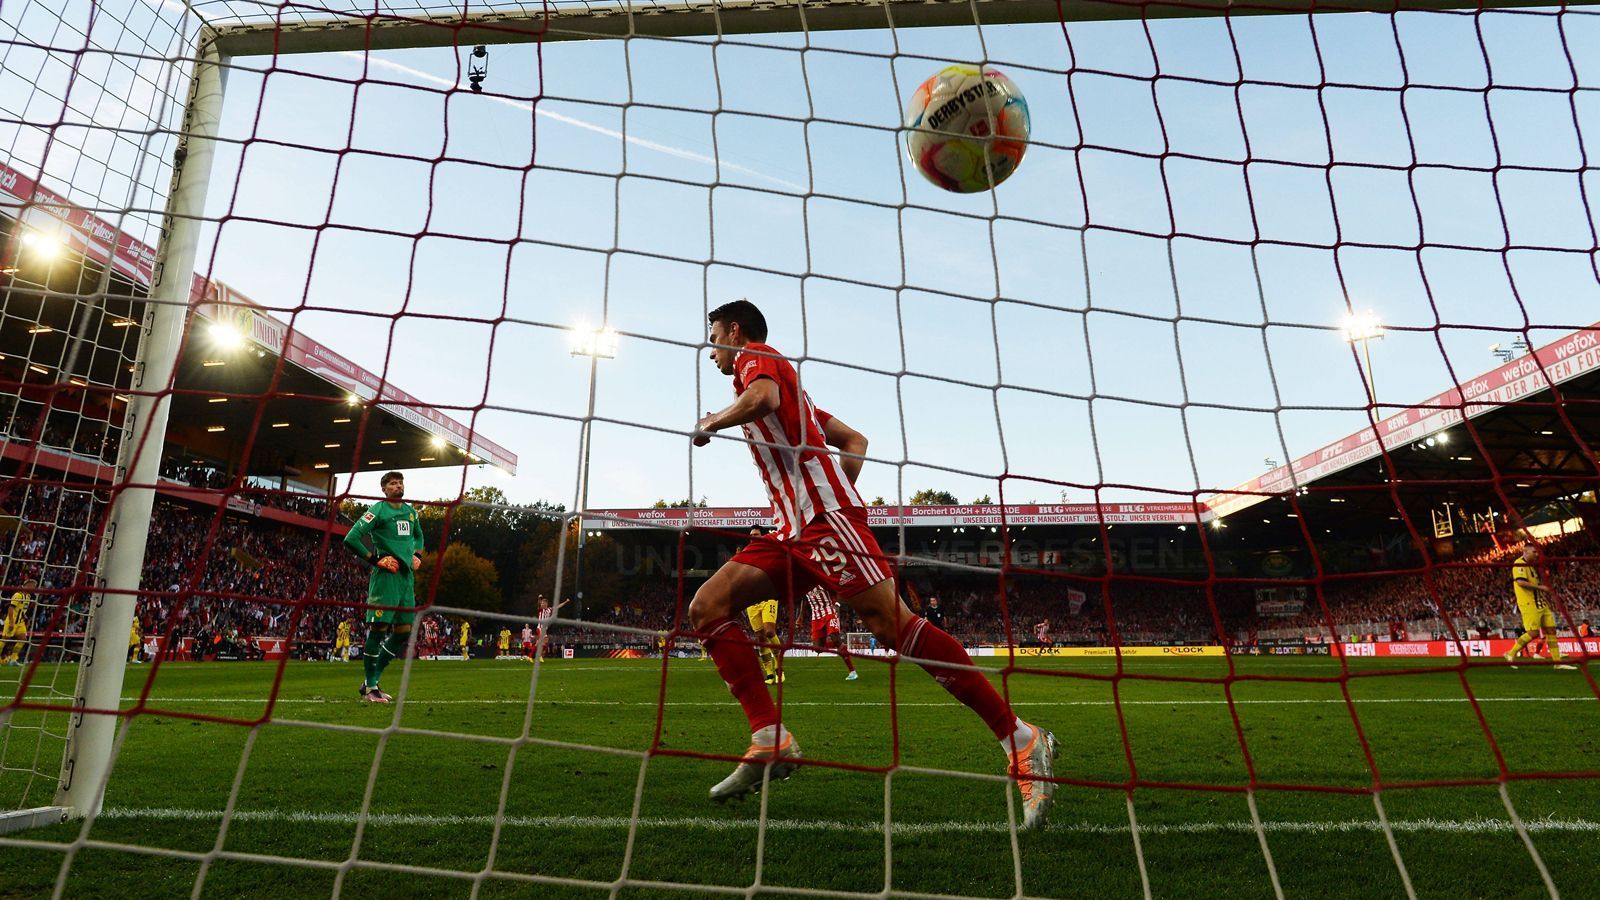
(38, 817)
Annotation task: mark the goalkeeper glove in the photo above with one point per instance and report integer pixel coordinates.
(385, 562)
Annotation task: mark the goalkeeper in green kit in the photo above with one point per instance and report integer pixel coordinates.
(396, 552)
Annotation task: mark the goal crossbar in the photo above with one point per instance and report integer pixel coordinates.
(691, 18)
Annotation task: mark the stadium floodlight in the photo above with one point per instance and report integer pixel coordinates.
(600, 343)
(41, 246)
(437, 442)
(225, 336)
(596, 344)
(1364, 327)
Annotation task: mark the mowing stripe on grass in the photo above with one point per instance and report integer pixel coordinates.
(1343, 826)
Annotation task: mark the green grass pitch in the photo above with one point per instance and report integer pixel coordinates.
(568, 810)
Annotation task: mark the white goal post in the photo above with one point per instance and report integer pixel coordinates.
(86, 763)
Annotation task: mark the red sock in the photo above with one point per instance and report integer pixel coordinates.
(923, 640)
(736, 662)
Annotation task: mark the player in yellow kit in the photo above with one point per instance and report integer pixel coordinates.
(135, 642)
(341, 641)
(764, 624)
(466, 639)
(504, 642)
(14, 633)
(1538, 619)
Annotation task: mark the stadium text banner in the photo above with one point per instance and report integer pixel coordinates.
(80, 229)
(1489, 648)
(1188, 650)
(917, 516)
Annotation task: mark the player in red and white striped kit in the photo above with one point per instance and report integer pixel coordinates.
(825, 627)
(822, 538)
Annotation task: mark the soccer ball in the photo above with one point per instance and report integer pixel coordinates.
(956, 118)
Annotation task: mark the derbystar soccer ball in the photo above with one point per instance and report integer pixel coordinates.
(960, 116)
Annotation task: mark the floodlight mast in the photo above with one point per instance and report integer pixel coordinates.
(91, 735)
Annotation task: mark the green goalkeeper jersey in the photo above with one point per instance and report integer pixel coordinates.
(395, 531)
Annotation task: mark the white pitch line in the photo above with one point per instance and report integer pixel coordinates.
(556, 701)
(1343, 826)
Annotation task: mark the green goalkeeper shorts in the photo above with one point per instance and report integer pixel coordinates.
(395, 589)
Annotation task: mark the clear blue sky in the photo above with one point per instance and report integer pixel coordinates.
(1004, 289)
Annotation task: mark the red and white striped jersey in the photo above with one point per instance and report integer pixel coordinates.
(527, 634)
(823, 606)
(803, 479)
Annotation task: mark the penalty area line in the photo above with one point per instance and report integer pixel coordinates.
(708, 823)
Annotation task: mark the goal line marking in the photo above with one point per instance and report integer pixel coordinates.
(1343, 826)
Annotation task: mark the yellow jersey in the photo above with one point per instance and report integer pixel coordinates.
(17, 611)
(466, 634)
(1526, 596)
(505, 637)
(344, 631)
(762, 613)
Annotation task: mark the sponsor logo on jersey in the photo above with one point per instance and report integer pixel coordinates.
(403, 528)
(369, 517)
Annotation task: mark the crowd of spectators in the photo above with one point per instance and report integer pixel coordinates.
(253, 577)
(67, 430)
(220, 583)
(1474, 592)
(1470, 596)
(254, 490)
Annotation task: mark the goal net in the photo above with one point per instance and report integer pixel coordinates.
(92, 103)
(1273, 353)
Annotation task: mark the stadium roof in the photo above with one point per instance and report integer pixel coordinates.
(319, 391)
(1514, 418)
